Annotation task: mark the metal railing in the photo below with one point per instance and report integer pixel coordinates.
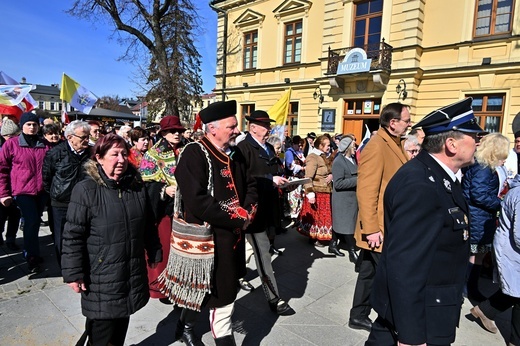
(380, 53)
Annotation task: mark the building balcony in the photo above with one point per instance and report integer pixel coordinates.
(378, 56)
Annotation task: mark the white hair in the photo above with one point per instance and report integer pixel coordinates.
(215, 124)
(76, 124)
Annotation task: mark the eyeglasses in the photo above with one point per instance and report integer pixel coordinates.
(95, 131)
(81, 137)
(409, 121)
(413, 151)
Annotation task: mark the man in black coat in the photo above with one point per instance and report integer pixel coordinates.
(229, 210)
(418, 286)
(264, 166)
(62, 170)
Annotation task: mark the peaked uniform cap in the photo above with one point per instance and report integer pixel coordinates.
(455, 117)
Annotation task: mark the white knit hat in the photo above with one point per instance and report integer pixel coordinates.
(9, 127)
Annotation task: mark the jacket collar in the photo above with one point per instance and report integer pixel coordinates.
(398, 151)
(438, 173)
(23, 143)
(217, 153)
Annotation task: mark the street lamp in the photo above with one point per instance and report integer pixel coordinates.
(401, 90)
(318, 95)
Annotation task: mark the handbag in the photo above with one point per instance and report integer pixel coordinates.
(186, 280)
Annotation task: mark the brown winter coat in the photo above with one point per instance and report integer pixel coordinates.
(378, 162)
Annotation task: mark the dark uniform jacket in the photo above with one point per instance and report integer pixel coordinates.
(234, 197)
(263, 166)
(421, 274)
(62, 170)
(108, 228)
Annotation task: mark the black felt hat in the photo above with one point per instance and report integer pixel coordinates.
(455, 117)
(218, 110)
(260, 117)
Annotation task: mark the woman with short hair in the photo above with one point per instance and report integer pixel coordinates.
(109, 226)
(316, 214)
(140, 139)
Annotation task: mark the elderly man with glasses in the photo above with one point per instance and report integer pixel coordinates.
(62, 169)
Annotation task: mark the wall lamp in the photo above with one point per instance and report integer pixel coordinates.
(245, 85)
(318, 95)
(287, 80)
(401, 90)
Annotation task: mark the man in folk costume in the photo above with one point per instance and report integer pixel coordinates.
(381, 158)
(263, 165)
(418, 286)
(229, 211)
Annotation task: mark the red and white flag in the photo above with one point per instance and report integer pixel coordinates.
(27, 104)
(64, 117)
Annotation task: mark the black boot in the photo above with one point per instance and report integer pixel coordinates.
(227, 340)
(352, 256)
(333, 248)
(351, 248)
(472, 283)
(185, 331)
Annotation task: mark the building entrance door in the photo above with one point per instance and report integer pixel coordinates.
(358, 113)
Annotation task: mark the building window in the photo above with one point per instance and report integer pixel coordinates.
(367, 25)
(293, 42)
(489, 110)
(250, 49)
(493, 17)
(52, 106)
(247, 109)
(292, 119)
(41, 105)
(60, 106)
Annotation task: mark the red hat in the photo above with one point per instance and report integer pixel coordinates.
(171, 122)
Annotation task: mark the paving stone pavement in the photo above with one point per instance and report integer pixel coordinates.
(39, 309)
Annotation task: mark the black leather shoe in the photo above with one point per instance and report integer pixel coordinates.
(333, 248)
(185, 333)
(361, 323)
(227, 340)
(245, 285)
(281, 308)
(275, 251)
(352, 256)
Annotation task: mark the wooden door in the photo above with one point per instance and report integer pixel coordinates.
(354, 126)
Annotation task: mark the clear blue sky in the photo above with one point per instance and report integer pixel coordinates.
(45, 42)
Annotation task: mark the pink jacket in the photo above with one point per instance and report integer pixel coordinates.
(21, 167)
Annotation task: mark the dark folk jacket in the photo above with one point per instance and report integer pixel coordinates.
(108, 228)
(421, 273)
(235, 196)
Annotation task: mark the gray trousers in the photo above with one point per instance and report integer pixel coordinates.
(260, 244)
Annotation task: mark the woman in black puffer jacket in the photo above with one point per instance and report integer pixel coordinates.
(107, 231)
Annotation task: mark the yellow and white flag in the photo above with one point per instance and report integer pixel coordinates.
(76, 95)
(278, 112)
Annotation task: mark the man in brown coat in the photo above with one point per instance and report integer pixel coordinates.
(381, 158)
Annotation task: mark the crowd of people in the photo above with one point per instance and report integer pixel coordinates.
(406, 206)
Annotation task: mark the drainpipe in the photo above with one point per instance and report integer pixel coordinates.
(224, 49)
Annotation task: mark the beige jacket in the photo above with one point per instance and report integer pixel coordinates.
(378, 162)
(317, 168)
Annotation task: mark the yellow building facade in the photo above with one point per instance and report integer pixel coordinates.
(345, 59)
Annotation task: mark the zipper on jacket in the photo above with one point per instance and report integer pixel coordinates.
(119, 193)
